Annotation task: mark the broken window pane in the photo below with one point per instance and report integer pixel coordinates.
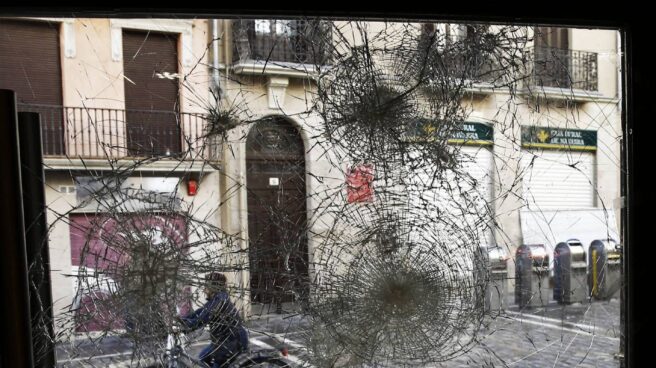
(373, 193)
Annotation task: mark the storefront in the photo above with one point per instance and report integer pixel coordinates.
(559, 176)
(126, 252)
(461, 190)
(558, 168)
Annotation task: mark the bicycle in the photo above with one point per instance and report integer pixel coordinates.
(176, 356)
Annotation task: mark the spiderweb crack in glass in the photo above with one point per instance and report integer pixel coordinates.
(349, 218)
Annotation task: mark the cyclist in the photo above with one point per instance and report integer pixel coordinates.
(229, 337)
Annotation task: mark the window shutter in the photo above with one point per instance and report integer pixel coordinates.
(150, 63)
(31, 66)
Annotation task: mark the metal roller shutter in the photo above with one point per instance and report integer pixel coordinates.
(478, 162)
(463, 200)
(100, 246)
(558, 179)
(151, 92)
(31, 66)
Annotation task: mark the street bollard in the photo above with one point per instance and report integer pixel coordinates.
(531, 276)
(496, 289)
(570, 273)
(604, 268)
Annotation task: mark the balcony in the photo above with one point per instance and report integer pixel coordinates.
(463, 60)
(112, 134)
(560, 68)
(288, 43)
(475, 67)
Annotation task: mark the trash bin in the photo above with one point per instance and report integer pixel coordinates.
(604, 269)
(570, 273)
(531, 276)
(496, 290)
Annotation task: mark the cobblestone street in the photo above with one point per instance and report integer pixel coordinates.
(581, 336)
(556, 336)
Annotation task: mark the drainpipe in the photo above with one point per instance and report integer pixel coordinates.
(240, 162)
(226, 44)
(216, 50)
(229, 162)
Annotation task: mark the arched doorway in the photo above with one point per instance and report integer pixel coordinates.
(277, 217)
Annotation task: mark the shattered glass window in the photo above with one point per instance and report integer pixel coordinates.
(323, 193)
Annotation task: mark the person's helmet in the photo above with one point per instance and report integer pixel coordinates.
(216, 281)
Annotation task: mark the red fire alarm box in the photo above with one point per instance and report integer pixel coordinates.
(192, 187)
(359, 183)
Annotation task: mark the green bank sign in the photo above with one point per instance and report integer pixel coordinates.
(469, 133)
(473, 133)
(554, 138)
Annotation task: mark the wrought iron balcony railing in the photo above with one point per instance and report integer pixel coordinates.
(560, 68)
(459, 58)
(293, 41)
(474, 67)
(80, 132)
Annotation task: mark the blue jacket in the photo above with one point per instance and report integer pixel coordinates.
(223, 318)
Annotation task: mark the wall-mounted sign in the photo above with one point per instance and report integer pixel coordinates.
(473, 134)
(359, 183)
(469, 133)
(556, 138)
(274, 182)
(130, 194)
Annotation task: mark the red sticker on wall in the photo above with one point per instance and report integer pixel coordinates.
(359, 183)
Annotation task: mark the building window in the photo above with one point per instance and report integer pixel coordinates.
(294, 41)
(150, 61)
